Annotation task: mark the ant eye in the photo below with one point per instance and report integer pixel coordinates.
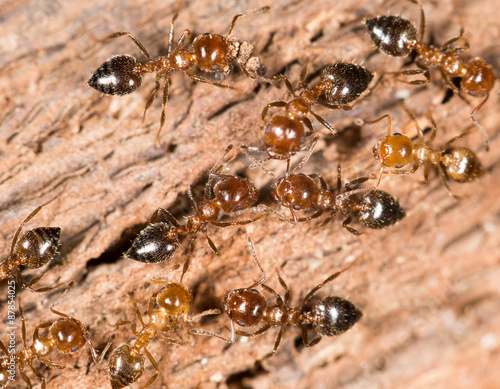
(399, 166)
(215, 67)
(297, 207)
(397, 134)
(74, 349)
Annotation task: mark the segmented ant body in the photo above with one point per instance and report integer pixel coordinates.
(213, 53)
(167, 309)
(398, 150)
(159, 241)
(376, 209)
(67, 335)
(397, 37)
(34, 249)
(285, 135)
(248, 307)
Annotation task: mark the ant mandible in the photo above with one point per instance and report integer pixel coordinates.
(397, 37)
(248, 307)
(376, 209)
(126, 363)
(34, 249)
(160, 240)
(67, 335)
(122, 74)
(398, 150)
(285, 135)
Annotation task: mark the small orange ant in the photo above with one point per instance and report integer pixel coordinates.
(398, 150)
(285, 135)
(67, 335)
(397, 37)
(122, 74)
(34, 249)
(126, 363)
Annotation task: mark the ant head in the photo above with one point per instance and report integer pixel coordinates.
(479, 79)
(334, 315)
(38, 246)
(463, 166)
(245, 307)
(392, 35)
(175, 299)
(345, 81)
(295, 190)
(125, 366)
(394, 150)
(153, 245)
(117, 76)
(212, 53)
(379, 209)
(235, 193)
(69, 335)
(284, 136)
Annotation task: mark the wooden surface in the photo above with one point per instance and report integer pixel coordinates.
(427, 287)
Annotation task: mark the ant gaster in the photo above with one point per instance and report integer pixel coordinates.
(214, 53)
(165, 311)
(397, 37)
(159, 241)
(248, 307)
(34, 249)
(398, 150)
(285, 135)
(67, 335)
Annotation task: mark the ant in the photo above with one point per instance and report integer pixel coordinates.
(68, 335)
(398, 150)
(34, 249)
(397, 37)
(248, 307)
(166, 309)
(159, 241)
(122, 74)
(285, 135)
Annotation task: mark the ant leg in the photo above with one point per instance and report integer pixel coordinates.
(324, 123)
(315, 290)
(273, 292)
(170, 340)
(164, 101)
(206, 80)
(442, 175)
(452, 86)
(278, 104)
(136, 41)
(38, 374)
(187, 262)
(413, 72)
(260, 331)
(96, 357)
(151, 97)
(273, 81)
(479, 127)
(319, 177)
(344, 107)
(276, 345)
(447, 45)
(303, 75)
(199, 331)
(23, 324)
(155, 365)
(262, 279)
(51, 308)
(21, 282)
(255, 162)
(345, 224)
(52, 364)
(417, 126)
(254, 11)
(185, 35)
(434, 130)
(356, 181)
(310, 149)
(328, 219)
(171, 34)
(159, 280)
(306, 342)
(170, 218)
(198, 316)
(284, 286)
(4, 348)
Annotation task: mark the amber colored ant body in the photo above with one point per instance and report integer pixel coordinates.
(397, 37)
(376, 209)
(248, 307)
(285, 135)
(159, 241)
(34, 249)
(398, 150)
(213, 53)
(67, 335)
(126, 363)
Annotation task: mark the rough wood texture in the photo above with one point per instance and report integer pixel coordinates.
(428, 287)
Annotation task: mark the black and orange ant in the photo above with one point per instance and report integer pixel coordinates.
(397, 37)
(166, 309)
(34, 249)
(285, 135)
(248, 307)
(160, 240)
(398, 150)
(67, 335)
(213, 53)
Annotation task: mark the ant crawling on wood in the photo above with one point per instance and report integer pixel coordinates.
(160, 240)
(397, 37)
(213, 53)
(165, 311)
(68, 335)
(285, 135)
(34, 249)
(398, 150)
(248, 307)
